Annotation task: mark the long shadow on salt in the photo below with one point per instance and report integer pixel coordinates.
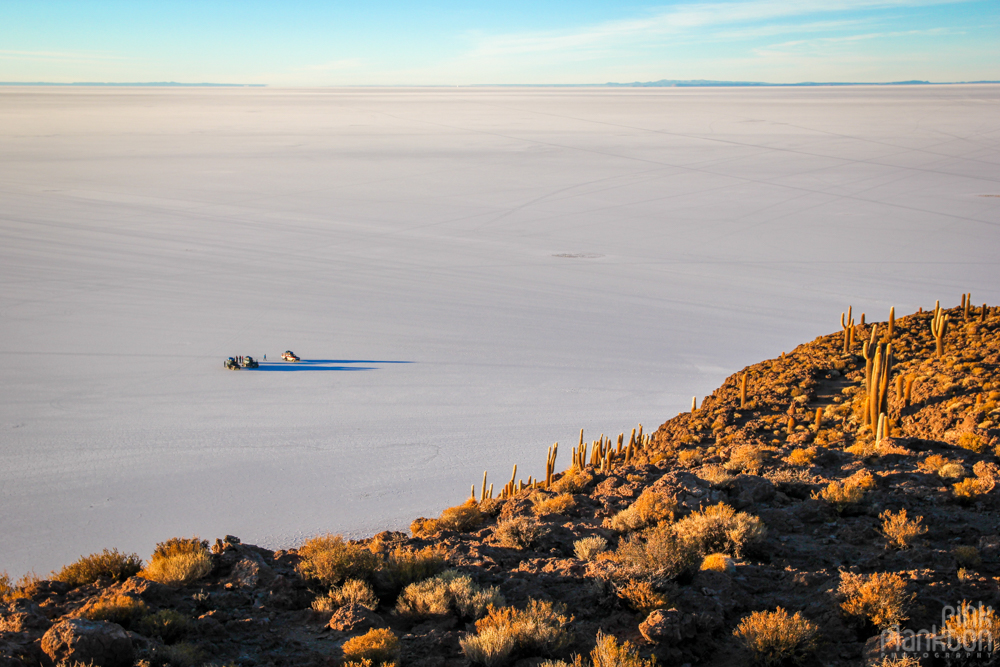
(322, 365)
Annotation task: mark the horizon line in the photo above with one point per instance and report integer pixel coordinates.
(662, 83)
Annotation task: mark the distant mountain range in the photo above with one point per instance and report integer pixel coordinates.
(704, 83)
(154, 84)
(662, 83)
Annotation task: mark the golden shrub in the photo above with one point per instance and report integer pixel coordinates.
(491, 648)
(718, 563)
(975, 628)
(880, 598)
(609, 653)
(649, 508)
(848, 492)
(330, 559)
(900, 531)
(572, 481)
(518, 532)
(379, 645)
(447, 592)
(688, 458)
(658, 552)
(559, 504)
(352, 591)
(746, 458)
(403, 566)
(461, 518)
(120, 609)
(716, 476)
(968, 490)
(587, 547)
(720, 528)
(777, 637)
(801, 457)
(179, 561)
(542, 628)
(641, 597)
(108, 563)
(951, 470)
(973, 442)
(934, 462)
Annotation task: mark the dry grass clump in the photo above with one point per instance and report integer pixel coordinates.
(967, 556)
(179, 561)
(609, 653)
(975, 628)
(402, 566)
(641, 597)
(801, 457)
(450, 591)
(177, 655)
(88, 569)
(540, 629)
(166, 625)
(777, 637)
(587, 548)
(658, 552)
(973, 442)
(461, 518)
(379, 645)
(120, 609)
(559, 504)
(879, 598)
(518, 532)
(968, 490)
(718, 563)
(848, 492)
(716, 476)
(688, 458)
(352, 591)
(330, 559)
(934, 463)
(745, 458)
(905, 660)
(951, 470)
(651, 507)
(11, 590)
(720, 528)
(900, 531)
(572, 481)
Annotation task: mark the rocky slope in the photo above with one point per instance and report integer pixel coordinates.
(821, 486)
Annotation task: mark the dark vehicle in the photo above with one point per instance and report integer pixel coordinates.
(236, 363)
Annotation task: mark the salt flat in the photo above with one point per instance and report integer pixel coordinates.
(472, 273)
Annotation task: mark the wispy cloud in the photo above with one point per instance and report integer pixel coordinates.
(823, 45)
(59, 56)
(684, 18)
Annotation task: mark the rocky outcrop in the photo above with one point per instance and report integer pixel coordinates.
(78, 640)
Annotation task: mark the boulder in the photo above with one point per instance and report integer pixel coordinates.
(99, 642)
(355, 618)
(751, 489)
(144, 589)
(250, 571)
(668, 626)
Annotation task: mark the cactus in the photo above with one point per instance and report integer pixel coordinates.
(882, 431)
(939, 327)
(694, 404)
(848, 326)
(892, 322)
(743, 389)
(908, 390)
(982, 314)
(819, 419)
(550, 465)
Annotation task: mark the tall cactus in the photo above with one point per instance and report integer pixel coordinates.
(939, 327)
(847, 324)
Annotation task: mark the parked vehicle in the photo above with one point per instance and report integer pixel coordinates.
(288, 355)
(236, 363)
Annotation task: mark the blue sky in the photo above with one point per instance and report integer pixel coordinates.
(385, 42)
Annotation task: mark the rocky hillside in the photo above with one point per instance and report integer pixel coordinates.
(811, 504)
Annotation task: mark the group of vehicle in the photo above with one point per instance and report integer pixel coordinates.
(240, 361)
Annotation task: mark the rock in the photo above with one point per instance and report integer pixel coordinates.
(79, 640)
(250, 571)
(355, 618)
(668, 626)
(144, 589)
(751, 489)
(285, 594)
(23, 621)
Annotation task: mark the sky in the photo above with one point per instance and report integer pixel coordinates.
(448, 42)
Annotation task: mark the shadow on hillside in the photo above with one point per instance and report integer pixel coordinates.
(322, 365)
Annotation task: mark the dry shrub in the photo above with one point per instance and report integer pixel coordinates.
(177, 655)
(461, 518)
(973, 442)
(968, 490)
(88, 569)
(587, 548)
(716, 476)
(179, 561)
(330, 559)
(658, 552)
(491, 648)
(649, 508)
(518, 532)
(745, 458)
(609, 653)
(402, 566)
(572, 481)
(559, 504)
(900, 531)
(540, 629)
(951, 470)
(120, 609)
(905, 660)
(934, 463)
(720, 528)
(24, 587)
(879, 598)
(718, 563)
(689, 458)
(379, 645)
(967, 556)
(450, 591)
(353, 591)
(848, 492)
(641, 597)
(777, 637)
(801, 457)
(166, 625)
(976, 628)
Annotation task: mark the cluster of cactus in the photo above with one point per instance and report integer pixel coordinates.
(847, 324)
(878, 367)
(603, 457)
(939, 326)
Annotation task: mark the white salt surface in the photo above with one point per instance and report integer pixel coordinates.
(472, 275)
